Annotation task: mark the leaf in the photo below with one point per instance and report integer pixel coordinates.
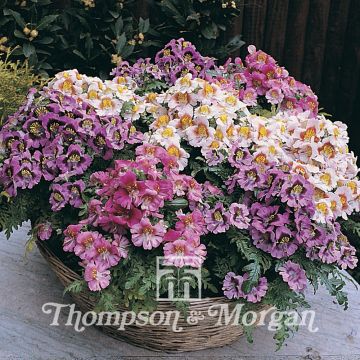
(28, 49)
(45, 40)
(75, 287)
(119, 26)
(144, 25)
(19, 20)
(121, 43)
(210, 31)
(128, 50)
(19, 34)
(46, 20)
(78, 53)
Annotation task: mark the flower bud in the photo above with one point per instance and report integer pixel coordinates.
(26, 30)
(34, 33)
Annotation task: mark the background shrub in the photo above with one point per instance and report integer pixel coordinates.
(92, 35)
(15, 80)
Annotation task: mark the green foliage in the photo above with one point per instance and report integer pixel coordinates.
(353, 226)
(14, 211)
(76, 287)
(203, 22)
(93, 35)
(88, 35)
(260, 262)
(319, 273)
(15, 80)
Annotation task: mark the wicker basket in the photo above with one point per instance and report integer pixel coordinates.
(205, 334)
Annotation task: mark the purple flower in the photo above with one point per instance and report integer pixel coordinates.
(239, 157)
(271, 181)
(285, 243)
(294, 275)
(26, 173)
(35, 131)
(59, 197)
(258, 291)
(239, 216)
(248, 177)
(296, 191)
(267, 218)
(75, 190)
(232, 286)
(217, 219)
(75, 160)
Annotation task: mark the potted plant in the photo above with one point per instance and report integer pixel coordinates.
(228, 169)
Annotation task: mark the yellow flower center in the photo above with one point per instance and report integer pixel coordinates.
(185, 121)
(92, 94)
(244, 131)
(202, 130)
(173, 151)
(204, 110)
(326, 179)
(322, 207)
(106, 103)
(168, 132)
(231, 100)
(162, 120)
(218, 216)
(94, 274)
(185, 81)
(260, 159)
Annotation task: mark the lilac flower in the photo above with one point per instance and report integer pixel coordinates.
(271, 181)
(294, 275)
(26, 174)
(296, 191)
(75, 160)
(257, 292)
(238, 216)
(59, 197)
(217, 219)
(266, 218)
(239, 157)
(75, 190)
(232, 286)
(35, 131)
(284, 243)
(248, 177)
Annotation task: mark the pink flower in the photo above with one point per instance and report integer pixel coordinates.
(192, 223)
(97, 276)
(274, 95)
(122, 244)
(194, 191)
(128, 190)
(44, 231)
(178, 253)
(181, 250)
(106, 252)
(84, 247)
(147, 235)
(71, 233)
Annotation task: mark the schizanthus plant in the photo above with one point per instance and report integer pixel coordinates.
(229, 168)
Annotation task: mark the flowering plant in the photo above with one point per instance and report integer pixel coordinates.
(229, 168)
